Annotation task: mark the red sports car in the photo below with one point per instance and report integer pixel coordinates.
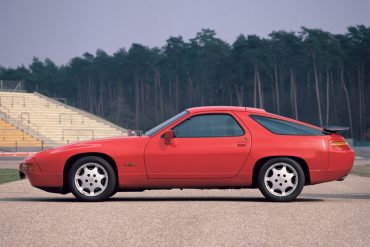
(203, 147)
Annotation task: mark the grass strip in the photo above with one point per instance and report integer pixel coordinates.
(361, 170)
(8, 175)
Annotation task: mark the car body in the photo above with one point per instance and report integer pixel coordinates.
(202, 147)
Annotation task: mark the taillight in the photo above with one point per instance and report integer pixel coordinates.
(339, 145)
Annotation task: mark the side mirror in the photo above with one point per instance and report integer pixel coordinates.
(168, 136)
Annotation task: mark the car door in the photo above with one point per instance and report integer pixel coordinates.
(205, 146)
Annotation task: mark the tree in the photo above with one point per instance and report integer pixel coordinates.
(312, 75)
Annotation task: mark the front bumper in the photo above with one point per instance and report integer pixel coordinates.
(30, 170)
(42, 179)
(22, 175)
(342, 178)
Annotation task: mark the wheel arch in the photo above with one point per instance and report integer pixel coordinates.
(71, 160)
(258, 165)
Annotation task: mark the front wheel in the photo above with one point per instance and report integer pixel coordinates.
(281, 179)
(92, 179)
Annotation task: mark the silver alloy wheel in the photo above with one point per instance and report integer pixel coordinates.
(281, 179)
(91, 179)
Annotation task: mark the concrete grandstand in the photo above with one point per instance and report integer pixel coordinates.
(32, 122)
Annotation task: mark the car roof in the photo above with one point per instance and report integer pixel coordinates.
(252, 110)
(225, 108)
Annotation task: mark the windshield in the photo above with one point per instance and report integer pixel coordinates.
(165, 123)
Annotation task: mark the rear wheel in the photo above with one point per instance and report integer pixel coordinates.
(281, 179)
(92, 178)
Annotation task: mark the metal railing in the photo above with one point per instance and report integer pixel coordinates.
(24, 122)
(64, 100)
(27, 114)
(19, 146)
(12, 99)
(77, 133)
(60, 100)
(11, 86)
(7, 140)
(6, 133)
(88, 114)
(70, 117)
(28, 127)
(5, 114)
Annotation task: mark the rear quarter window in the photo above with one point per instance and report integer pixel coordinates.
(282, 127)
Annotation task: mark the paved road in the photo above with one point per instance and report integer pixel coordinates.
(331, 214)
(10, 162)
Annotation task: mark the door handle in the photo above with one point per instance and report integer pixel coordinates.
(243, 143)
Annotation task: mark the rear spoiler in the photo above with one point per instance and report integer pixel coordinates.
(334, 129)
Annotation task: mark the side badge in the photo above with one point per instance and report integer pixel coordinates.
(128, 164)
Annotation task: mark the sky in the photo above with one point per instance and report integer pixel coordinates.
(61, 30)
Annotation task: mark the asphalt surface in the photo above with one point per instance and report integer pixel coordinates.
(331, 214)
(10, 162)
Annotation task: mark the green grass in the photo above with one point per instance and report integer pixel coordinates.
(363, 153)
(8, 175)
(361, 170)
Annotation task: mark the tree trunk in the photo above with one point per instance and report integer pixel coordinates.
(273, 93)
(230, 96)
(90, 95)
(191, 88)
(255, 87)
(293, 93)
(101, 98)
(239, 95)
(156, 97)
(360, 98)
(177, 94)
(120, 101)
(200, 92)
(161, 104)
(317, 89)
(142, 97)
(260, 90)
(327, 95)
(347, 100)
(334, 89)
(277, 90)
(137, 103)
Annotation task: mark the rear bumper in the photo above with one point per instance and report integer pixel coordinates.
(340, 165)
(327, 176)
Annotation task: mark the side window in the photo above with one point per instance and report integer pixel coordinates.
(210, 125)
(282, 127)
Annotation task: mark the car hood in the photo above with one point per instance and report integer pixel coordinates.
(94, 144)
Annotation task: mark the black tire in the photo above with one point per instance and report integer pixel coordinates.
(281, 186)
(103, 169)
